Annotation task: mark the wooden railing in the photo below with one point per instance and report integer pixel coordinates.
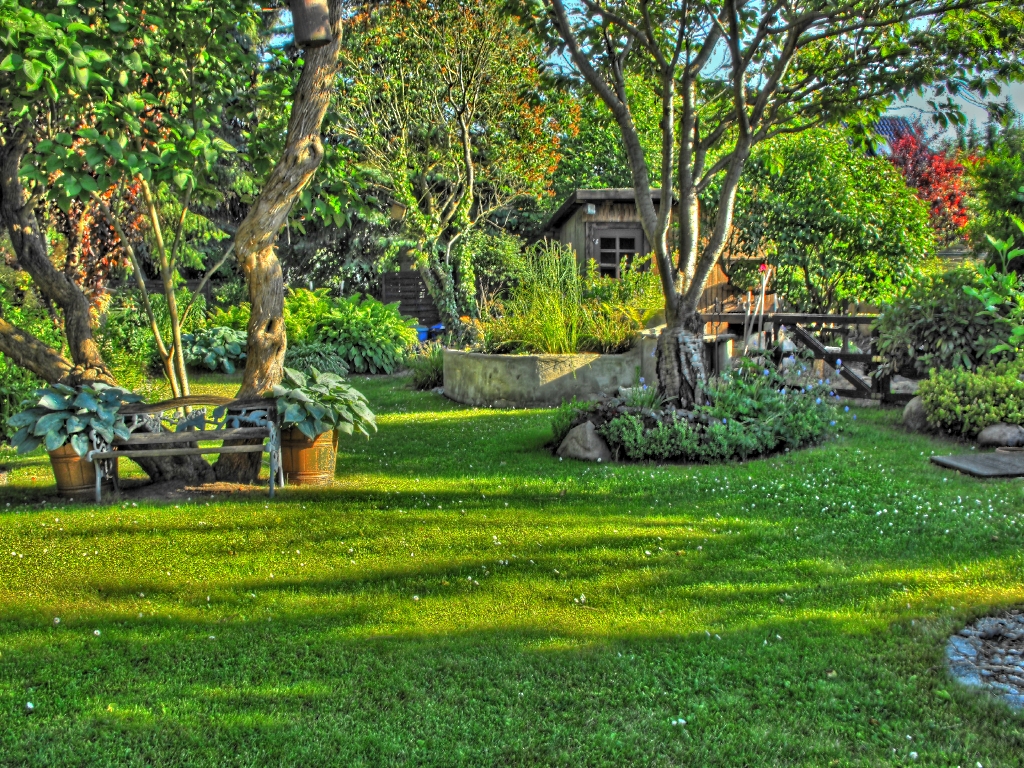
(806, 329)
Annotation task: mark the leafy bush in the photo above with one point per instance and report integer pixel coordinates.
(838, 225)
(965, 402)
(126, 338)
(236, 316)
(427, 366)
(941, 321)
(750, 412)
(321, 402)
(554, 309)
(62, 413)
(304, 355)
(216, 349)
(21, 306)
(370, 336)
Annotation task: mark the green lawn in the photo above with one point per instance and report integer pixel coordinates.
(429, 609)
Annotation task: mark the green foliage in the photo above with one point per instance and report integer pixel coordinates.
(304, 355)
(838, 225)
(21, 306)
(62, 413)
(369, 336)
(751, 411)
(126, 338)
(564, 419)
(321, 402)
(217, 349)
(642, 395)
(554, 309)
(998, 178)
(964, 402)
(427, 366)
(235, 316)
(941, 321)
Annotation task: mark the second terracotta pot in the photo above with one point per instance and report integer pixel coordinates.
(308, 462)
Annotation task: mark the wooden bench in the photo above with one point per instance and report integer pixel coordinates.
(177, 427)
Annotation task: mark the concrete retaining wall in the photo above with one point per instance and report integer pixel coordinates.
(543, 380)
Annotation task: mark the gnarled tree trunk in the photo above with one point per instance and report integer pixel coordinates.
(86, 364)
(254, 242)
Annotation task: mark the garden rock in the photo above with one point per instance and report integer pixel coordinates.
(914, 416)
(989, 654)
(998, 435)
(584, 443)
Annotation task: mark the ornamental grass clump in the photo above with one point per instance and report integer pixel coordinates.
(555, 308)
(62, 414)
(427, 366)
(321, 402)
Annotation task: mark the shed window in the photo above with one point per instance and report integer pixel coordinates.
(616, 248)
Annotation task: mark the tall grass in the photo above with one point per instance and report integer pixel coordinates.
(557, 309)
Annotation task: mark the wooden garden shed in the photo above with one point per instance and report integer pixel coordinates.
(603, 225)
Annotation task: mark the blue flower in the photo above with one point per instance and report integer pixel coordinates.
(832, 423)
(641, 379)
(766, 371)
(839, 363)
(818, 401)
(847, 408)
(855, 417)
(724, 421)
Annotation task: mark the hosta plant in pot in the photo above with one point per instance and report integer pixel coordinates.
(313, 409)
(64, 420)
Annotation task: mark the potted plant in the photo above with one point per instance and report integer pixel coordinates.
(312, 410)
(65, 420)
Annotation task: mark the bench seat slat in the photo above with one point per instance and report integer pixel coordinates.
(206, 435)
(181, 451)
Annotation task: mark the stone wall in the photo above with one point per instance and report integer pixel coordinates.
(543, 380)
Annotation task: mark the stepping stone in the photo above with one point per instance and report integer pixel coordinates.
(985, 464)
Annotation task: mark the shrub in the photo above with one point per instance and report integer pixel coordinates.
(21, 306)
(555, 309)
(427, 366)
(235, 316)
(937, 323)
(126, 338)
(750, 412)
(304, 355)
(965, 402)
(565, 418)
(216, 349)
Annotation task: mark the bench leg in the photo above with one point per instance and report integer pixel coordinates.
(273, 473)
(99, 480)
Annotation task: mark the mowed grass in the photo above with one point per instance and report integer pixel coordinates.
(461, 597)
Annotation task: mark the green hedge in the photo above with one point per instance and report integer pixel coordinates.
(965, 402)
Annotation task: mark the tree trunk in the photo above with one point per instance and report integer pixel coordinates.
(19, 218)
(681, 362)
(87, 364)
(254, 243)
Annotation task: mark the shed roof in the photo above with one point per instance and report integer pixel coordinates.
(581, 197)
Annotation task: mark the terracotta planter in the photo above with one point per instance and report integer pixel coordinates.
(74, 475)
(308, 462)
